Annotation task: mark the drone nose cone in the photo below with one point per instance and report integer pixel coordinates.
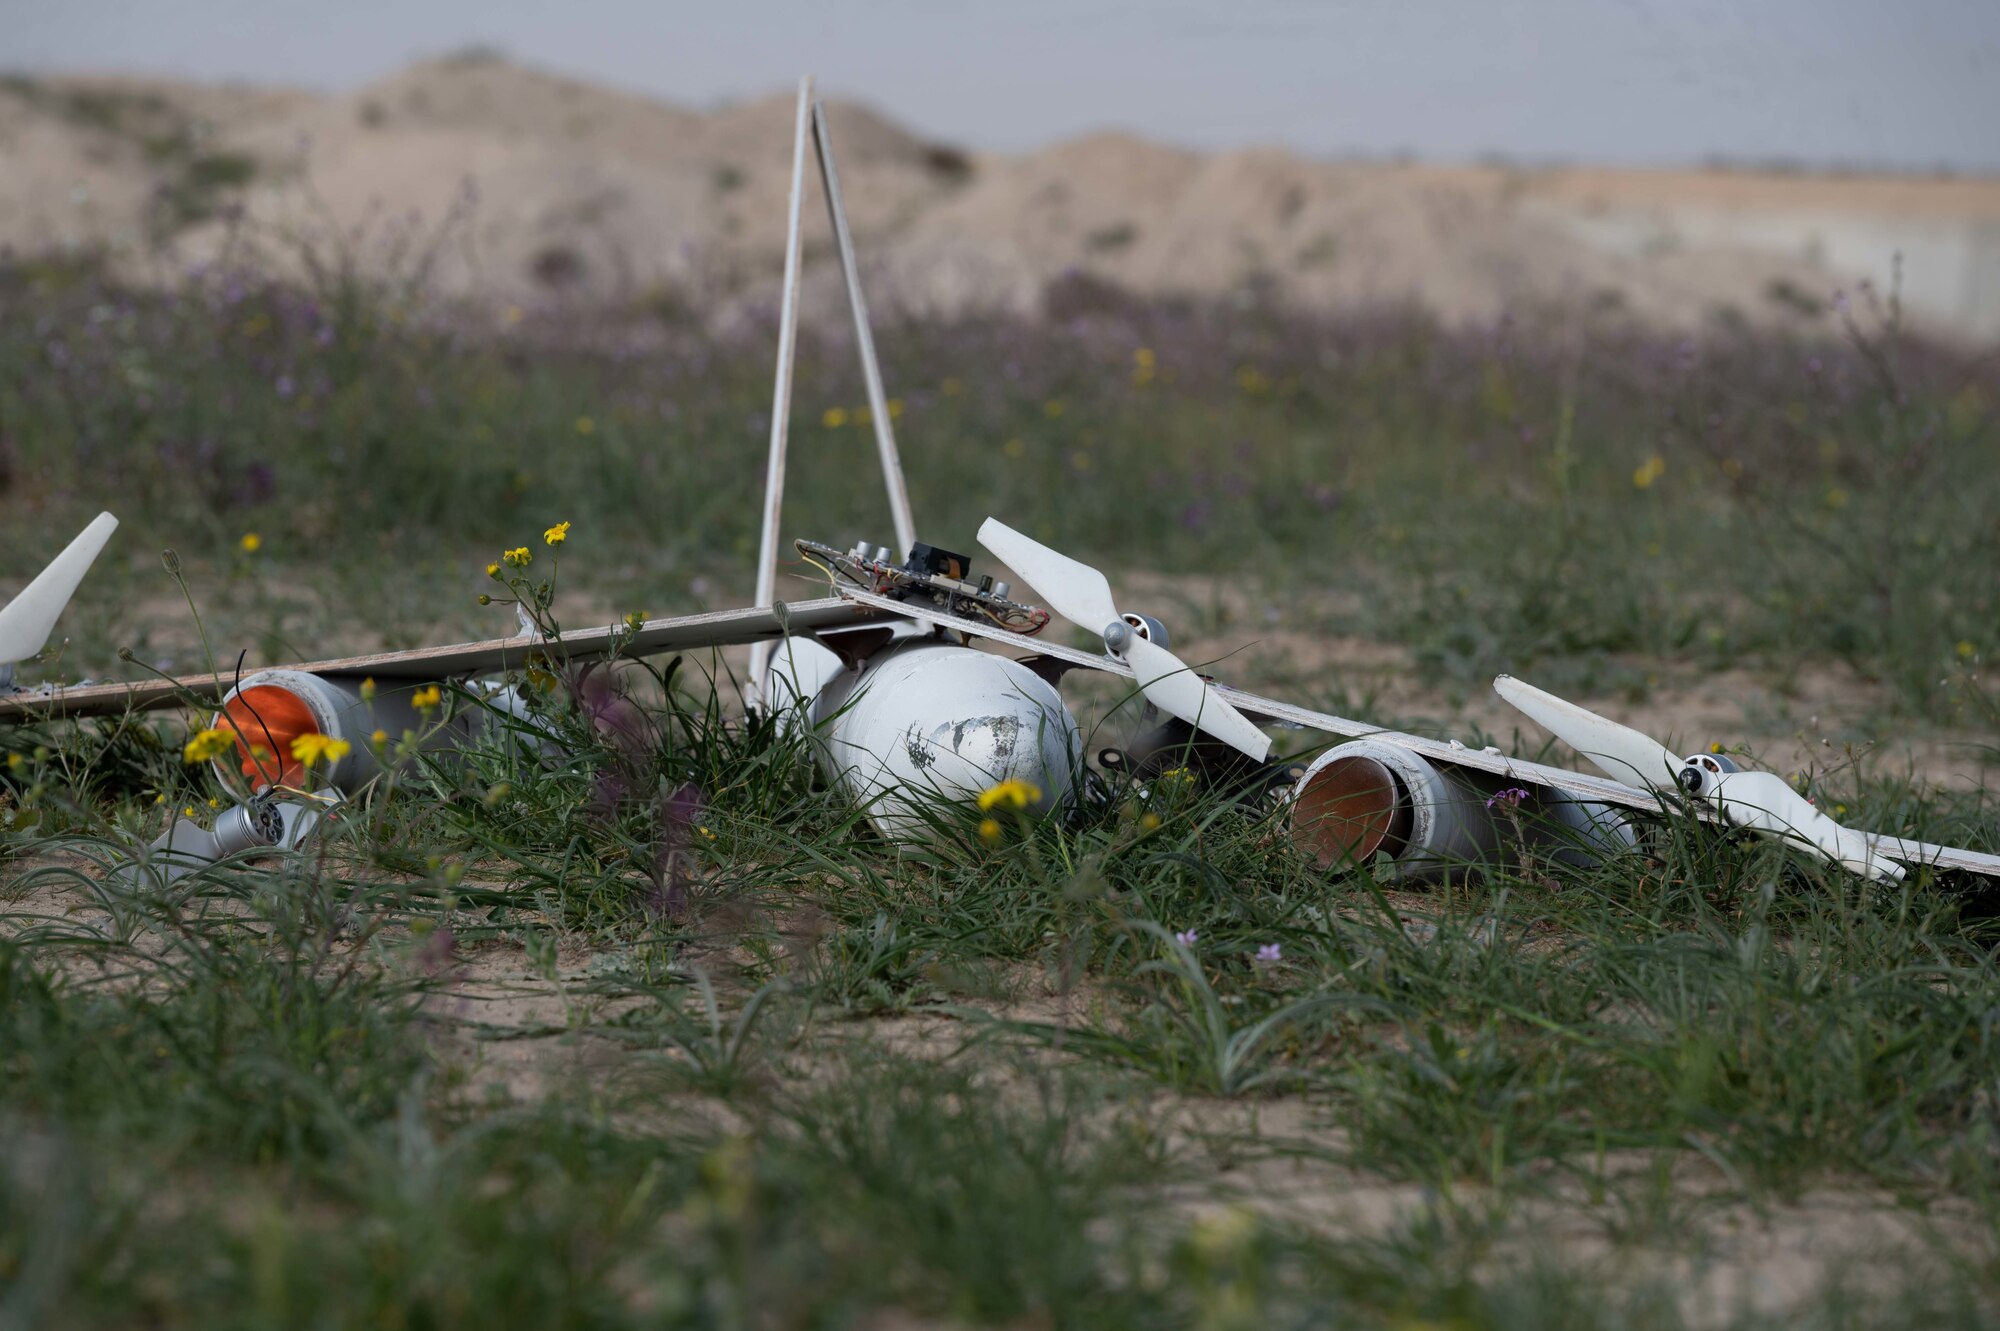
(1118, 635)
(925, 728)
(1691, 779)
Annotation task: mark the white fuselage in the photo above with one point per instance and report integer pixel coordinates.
(924, 726)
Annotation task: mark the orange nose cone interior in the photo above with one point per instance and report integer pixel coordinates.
(266, 720)
(1350, 809)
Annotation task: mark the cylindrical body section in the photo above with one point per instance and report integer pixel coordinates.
(1582, 832)
(1370, 797)
(800, 668)
(927, 726)
(271, 709)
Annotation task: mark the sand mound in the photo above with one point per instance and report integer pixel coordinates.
(520, 185)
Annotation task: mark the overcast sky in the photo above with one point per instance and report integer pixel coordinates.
(1913, 83)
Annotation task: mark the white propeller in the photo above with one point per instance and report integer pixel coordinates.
(28, 619)
(1760, 801)
(1080, 594)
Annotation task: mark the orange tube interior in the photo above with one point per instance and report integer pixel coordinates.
(266, 720)
(1348, 811)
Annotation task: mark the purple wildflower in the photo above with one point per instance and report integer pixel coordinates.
(1509, 798)
(621, 724)
(437, 952)
(671, 861)
(1270, 954)
(1186, 937)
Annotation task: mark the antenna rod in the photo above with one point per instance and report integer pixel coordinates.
(781, 394)
(864, 338)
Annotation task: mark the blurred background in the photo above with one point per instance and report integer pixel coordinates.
(1686, 161)
(1620, 343)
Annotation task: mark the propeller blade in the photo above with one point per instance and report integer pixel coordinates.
(28, 619)
(1622, 753)
(1074, 590)
(1766, 802)
(1175, 689)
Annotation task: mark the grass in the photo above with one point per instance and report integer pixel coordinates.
(631, 1021)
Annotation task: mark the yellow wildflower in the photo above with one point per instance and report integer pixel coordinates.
(989, 830)
(518, 557)
(895, 408)
(636, 620)
(208, 745)
(379, 738)
(368, 689)
(492, 570)
(251, 543)
(1015, 448)
(16, 761)
(309, 748)
(1223, 1236)
(585, 425)
(1649, 471)
(557, 534)
(427, 698)
(1013, 793)
(833, 417)
(1149, 822)
(1966, 650)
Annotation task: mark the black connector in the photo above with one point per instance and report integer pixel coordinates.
(933, 562)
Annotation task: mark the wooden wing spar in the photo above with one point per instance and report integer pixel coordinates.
(719, 628)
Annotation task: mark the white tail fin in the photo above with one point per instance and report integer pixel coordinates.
(29, 618)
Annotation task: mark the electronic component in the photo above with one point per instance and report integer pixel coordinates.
(929, 560)
(930, 576)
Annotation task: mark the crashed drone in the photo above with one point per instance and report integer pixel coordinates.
(906, 710)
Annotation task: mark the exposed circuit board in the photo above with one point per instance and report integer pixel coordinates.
(927, 579)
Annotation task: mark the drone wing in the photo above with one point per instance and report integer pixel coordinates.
(716, 628)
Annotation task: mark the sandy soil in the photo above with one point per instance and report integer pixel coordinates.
(507, 1032)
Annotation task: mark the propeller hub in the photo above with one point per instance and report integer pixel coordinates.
(1701, 773)
(1118, 636)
